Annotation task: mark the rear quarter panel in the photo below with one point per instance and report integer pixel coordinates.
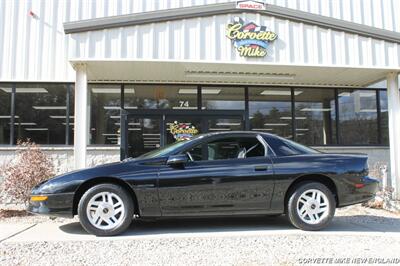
(343, 170)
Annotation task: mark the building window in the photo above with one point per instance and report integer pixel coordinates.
(225, 98)
(160, 97)
(384, 123)
(5, 113)
(40, 113)
(105, 102)
(315, 116)
(270, 110)
(357, 117)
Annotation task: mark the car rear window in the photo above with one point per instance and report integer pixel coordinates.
(284, 147)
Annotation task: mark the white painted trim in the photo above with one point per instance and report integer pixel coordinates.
(81, 116)
(394, 130)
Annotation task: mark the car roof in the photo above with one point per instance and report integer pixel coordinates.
(230, 133)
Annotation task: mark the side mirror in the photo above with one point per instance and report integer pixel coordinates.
(177, 159)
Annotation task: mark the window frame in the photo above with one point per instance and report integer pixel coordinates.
(258, 137)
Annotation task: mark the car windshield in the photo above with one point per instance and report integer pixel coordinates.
(164, 150)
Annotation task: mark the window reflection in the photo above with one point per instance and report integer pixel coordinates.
(357, 117)
(315, 116)
(40, 113)
(105, 114)
(222, 98)
(270, 110)
(5, 111)
(160, 97)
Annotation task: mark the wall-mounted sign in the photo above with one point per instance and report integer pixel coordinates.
(182, 131)
(249, 39)
(252, 5)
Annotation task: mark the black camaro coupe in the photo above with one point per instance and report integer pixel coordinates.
(216, 174)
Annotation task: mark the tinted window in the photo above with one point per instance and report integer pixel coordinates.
(270, 110)
(284, 147)
(357, 117)
(227, 148)
(315, 116)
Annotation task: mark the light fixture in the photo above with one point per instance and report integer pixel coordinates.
(302, 129)
(262, 129)
(290, 118)
(36, 129)
(134, 129)
(187, 91)
(316, 109)
(368, 110)
(25, 90)
(115, 116)
(219, 129)
(111, 107)
(61, 116)
(148, 138)
(130, 124)
(25, 123)
(344, 94)
(275, 124)
(280, 92)
(130, 107)
(150, 134)
(7, 116)
(228, 124)
(49, 107)
(210, 91)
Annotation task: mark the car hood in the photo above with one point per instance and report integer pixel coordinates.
(69, 182)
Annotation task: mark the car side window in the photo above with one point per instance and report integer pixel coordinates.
(227, 148)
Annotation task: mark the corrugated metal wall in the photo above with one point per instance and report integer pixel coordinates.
(35, 47)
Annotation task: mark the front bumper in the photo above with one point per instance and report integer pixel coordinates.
(58, 205)
(355, 195)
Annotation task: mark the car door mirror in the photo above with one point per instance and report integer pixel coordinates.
(177, 159)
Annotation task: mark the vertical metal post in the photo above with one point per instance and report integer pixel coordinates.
(67, 114)
(378, 117)
(246, 109)
(12, 114)
(199, 101)
(293, 114)
(337, 116)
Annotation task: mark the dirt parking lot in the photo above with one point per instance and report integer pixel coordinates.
(357, 236)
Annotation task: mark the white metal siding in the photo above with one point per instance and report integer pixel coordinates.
(37, 48)
(204, 39)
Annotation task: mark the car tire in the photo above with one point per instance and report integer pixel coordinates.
(311, 206)
(106, 210)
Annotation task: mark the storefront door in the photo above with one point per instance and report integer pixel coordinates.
(142, 132)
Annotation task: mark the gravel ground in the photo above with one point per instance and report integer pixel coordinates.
(265, 249)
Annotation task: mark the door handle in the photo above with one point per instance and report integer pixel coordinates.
(260, 167)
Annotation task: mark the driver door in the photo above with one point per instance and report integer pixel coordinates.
(223, 175)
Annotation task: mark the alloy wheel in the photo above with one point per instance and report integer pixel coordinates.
(105, 210)
(312, 206)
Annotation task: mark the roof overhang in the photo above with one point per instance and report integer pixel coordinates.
(155, 71)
